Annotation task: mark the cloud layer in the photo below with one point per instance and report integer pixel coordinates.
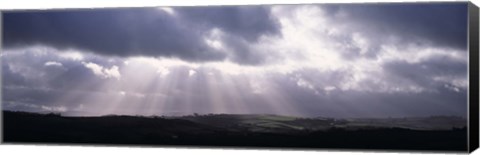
(185, 32)
(340, 60)
(140, 32)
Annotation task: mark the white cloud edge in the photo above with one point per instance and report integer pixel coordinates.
(102, 71)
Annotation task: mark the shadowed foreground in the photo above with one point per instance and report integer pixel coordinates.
(239, 130)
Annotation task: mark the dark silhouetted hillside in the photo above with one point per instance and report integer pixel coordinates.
(238, 130)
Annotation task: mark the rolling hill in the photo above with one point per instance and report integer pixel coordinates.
(429, 133)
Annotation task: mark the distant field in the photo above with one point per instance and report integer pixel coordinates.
(430, 133)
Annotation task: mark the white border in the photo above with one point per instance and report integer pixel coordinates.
(6, 5)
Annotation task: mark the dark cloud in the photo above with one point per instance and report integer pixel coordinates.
(423, 73)
(9, 78)
(248, 22)
(122, 32)
(438, 25)
(28, 69)
(153, 32)
(243, 52)
(138, 32)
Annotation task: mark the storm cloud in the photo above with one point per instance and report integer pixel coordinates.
(442, 24)
(138, 31)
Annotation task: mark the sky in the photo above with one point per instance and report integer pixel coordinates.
(329, 60)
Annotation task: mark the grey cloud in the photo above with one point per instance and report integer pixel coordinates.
(9, 78)
(422, 73)
(28, 95)
(43, 100)
(248, 22)
(243, 52)
(438, 25)
(355, 103)
(30, 71)
(137, 32)
(120, 32)
(67, 88)
(152, 32)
